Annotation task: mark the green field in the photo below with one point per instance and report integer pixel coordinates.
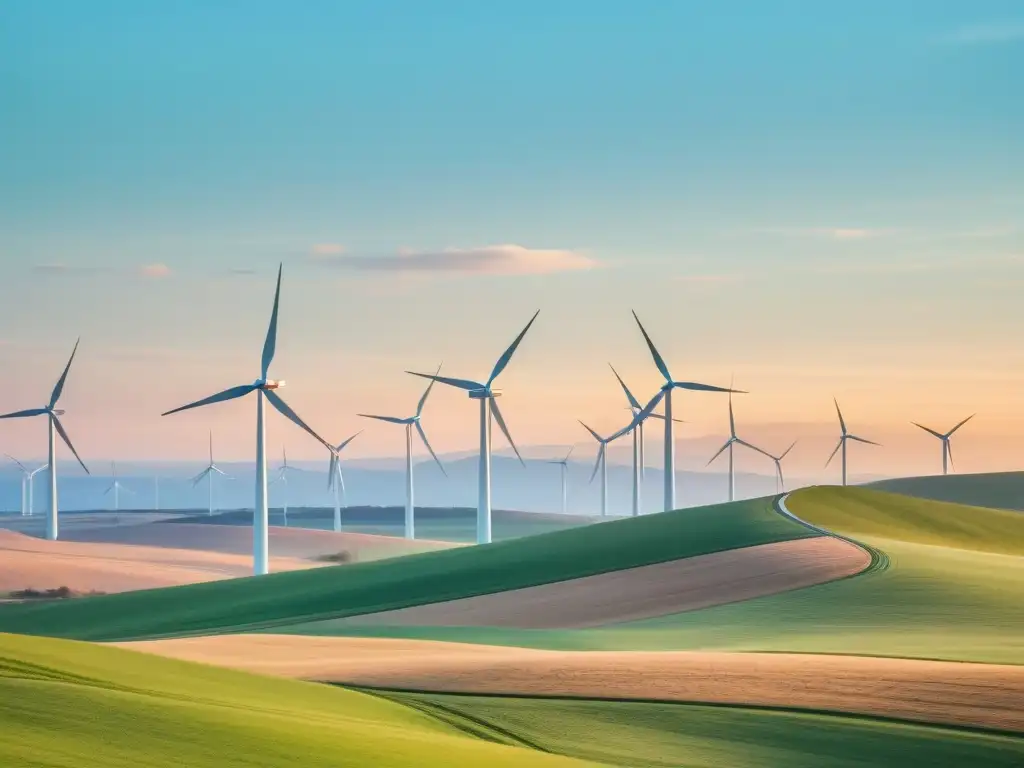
(67, 705)
(304, 596)
(1002, 490)
(656, 735)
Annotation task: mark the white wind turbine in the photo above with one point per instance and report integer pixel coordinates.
(282, 477)
(602, 463)
(265, 388)
(55, 427)
(638, 440)
(844, 436)
(335, 480)
(210, 470)
(116, 487)
(730, 445)
(27, 483)
(564, 465)
(666, 394)
(487, 395)
(947, 449)
(780, 481)
(409, 422)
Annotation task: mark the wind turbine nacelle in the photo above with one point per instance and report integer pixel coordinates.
(271, 384)
(483, 394)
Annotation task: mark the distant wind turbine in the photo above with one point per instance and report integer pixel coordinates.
(409, 422)
(336, 481)
(666, 394)
(639, 461)
(730, 445)
(947, 448)
(264, 387)
(602, 464)
(780, 481)
(116, 487)
(282, 477)
(564, 467)
(844, 436)
(487, 396)
(52, 414)
(27, 483)
(208, 473)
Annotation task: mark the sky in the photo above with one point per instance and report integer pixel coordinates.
(813, 200)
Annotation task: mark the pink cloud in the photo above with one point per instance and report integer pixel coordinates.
(327, 249)
(155, 270)
(508, 259)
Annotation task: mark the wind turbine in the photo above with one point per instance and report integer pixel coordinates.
(208, 473)
(564, 464)
(780, 481)
(116, 487)
(487, 396)
(666, 394)
(730, 445)
(947, 449)
(843, 437)
(409, 422)
(52, 414)
(602, 464)
(282, 477)
(336, 481)
(265, 388)
(639, 461)
(27, 483)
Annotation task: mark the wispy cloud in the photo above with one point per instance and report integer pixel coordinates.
(61, 268)
(986, 34)
(507, 259)
(154, 270)
(327, 249)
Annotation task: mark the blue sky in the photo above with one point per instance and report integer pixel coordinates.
(817, 197)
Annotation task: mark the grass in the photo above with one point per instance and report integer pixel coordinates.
(1003, 490)
(652, 735)
(66, 704)
(324, 593)
(928, 601)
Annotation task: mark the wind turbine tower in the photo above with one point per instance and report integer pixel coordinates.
(336, 481)
(282, 477)
(564, 468)
(27, 483)
(487, 395)
(55, 427)
(265, 389)
(116, 487)
(411, 422)
(602, 464)
(845, 436)
(666, 394)
(947, 449)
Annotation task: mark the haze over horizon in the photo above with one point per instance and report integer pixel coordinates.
(818, 201)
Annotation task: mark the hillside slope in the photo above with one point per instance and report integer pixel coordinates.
(1001, 490)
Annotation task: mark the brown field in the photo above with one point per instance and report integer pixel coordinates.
(976, 695)
(27, 562)
(645, 592)
(237, 539)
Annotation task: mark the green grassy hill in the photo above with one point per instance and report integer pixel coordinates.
(662, 735)
(1002, 490)
(66, 705)
(303, 596)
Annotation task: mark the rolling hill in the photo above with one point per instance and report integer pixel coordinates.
(1001, 490)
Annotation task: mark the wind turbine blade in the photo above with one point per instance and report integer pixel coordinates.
(596, 436)
(949, 453)
(782, 479)
(423, 437)
(573, 448)
(227, 394)
(20, 414)
(659, 361)
(426, 394)
(211, 446)
(108, 490)
(283, 408)
(270, 345)
(504, 359)
(842, 421)
(780, 458)
(22, 466)
(341, 476)
(389, 419)
(340, 448)
(695, 387)
(740, 441)
(501, 423)
(928, 430)
(629, 395)
(59, 388)
(719, 452)
(732, 417)
(198, 478)
(954, 429)
(641, 416)
(66, 439)
(218, 470)
(863, 440)
(330, 471)
(466, 384)
(833, 455)
(597, 464)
